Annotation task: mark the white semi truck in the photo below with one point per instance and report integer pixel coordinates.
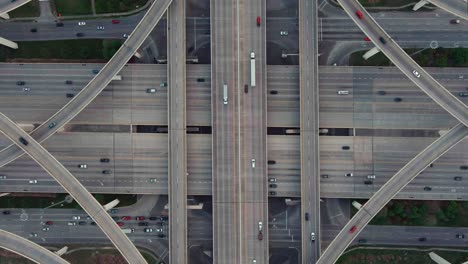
(252, 69)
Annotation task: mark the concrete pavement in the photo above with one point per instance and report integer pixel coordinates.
(28, 249)
(8, 5)
(73, 187)
(177, 120)
(97, 84)
(456, 7)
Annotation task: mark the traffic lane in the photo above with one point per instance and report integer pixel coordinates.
(98, 83)
(390, 189)
(73, 186)
(428, 84)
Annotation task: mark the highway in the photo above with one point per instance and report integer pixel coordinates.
(456, 7)
(136, 159)
(97, 84)
(309, 125)
(126, 102)
(177, 146)
(73, 187)
(405, 63)
(8, 5)
(253, 132)
(28, 249)
(225, 122)
(389, 190)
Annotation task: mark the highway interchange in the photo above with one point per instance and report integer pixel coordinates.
(132, 169)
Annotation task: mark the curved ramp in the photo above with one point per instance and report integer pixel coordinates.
(28, 249)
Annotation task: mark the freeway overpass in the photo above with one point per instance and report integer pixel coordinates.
(28, 249)
(73, 187)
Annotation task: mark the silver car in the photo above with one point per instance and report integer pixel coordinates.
(415, 73)
(283, 33)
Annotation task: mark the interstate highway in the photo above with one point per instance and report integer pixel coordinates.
(382, 156)
(97, 84)
(73, 187)
(125, 102)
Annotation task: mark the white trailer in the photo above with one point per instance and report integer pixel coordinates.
(252, 69)
(225, 94)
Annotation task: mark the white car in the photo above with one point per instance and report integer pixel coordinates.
(283, 33)
(253, 163)
(153, 180)
(100, 27)
(76, 217)
(26, 89)
(3, 177)
(82, 166)
(415, 73)
(343, 92)
(125, 35)
(45, 229)
(33, 181)
(312, 236)
(260, 226)
(370, 176)
(81, 23)
(33, 235)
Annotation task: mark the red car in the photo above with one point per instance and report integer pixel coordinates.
(49, 223)
(120, 223)
(259, 20)
(140, 218)
(115, 21)
(126, 218)
(352, 229)
(359, 14)
(367, 39)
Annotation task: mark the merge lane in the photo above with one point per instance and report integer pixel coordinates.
(97, 84)
(73, 187)
(389, 190)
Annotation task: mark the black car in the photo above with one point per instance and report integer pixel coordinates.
(458, 178)
(460, 236)
(59, 24)
(68, 82)
(164, 218)
(307, 216)
(427, 188)
(463, 167)
(143, 224)
(79, 34)
(273, 92)
(20, 83)
(69, 95)
(367, 182)
(106, 172)
(201, 80)
(246, 88)
(161, 235)
(93, 223)
(23, 141)
(153, 218)
(271, 162)
(82, 223)
(325, 176)
(6, 212)
(272, 193)
(397, 99)
(382, 40)
(159, 224)
(381, 93)
(272, 185)
(345, 147)
(362, 240)
(105, 160)
(422, 239)
(115, 218)
(33, 29)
